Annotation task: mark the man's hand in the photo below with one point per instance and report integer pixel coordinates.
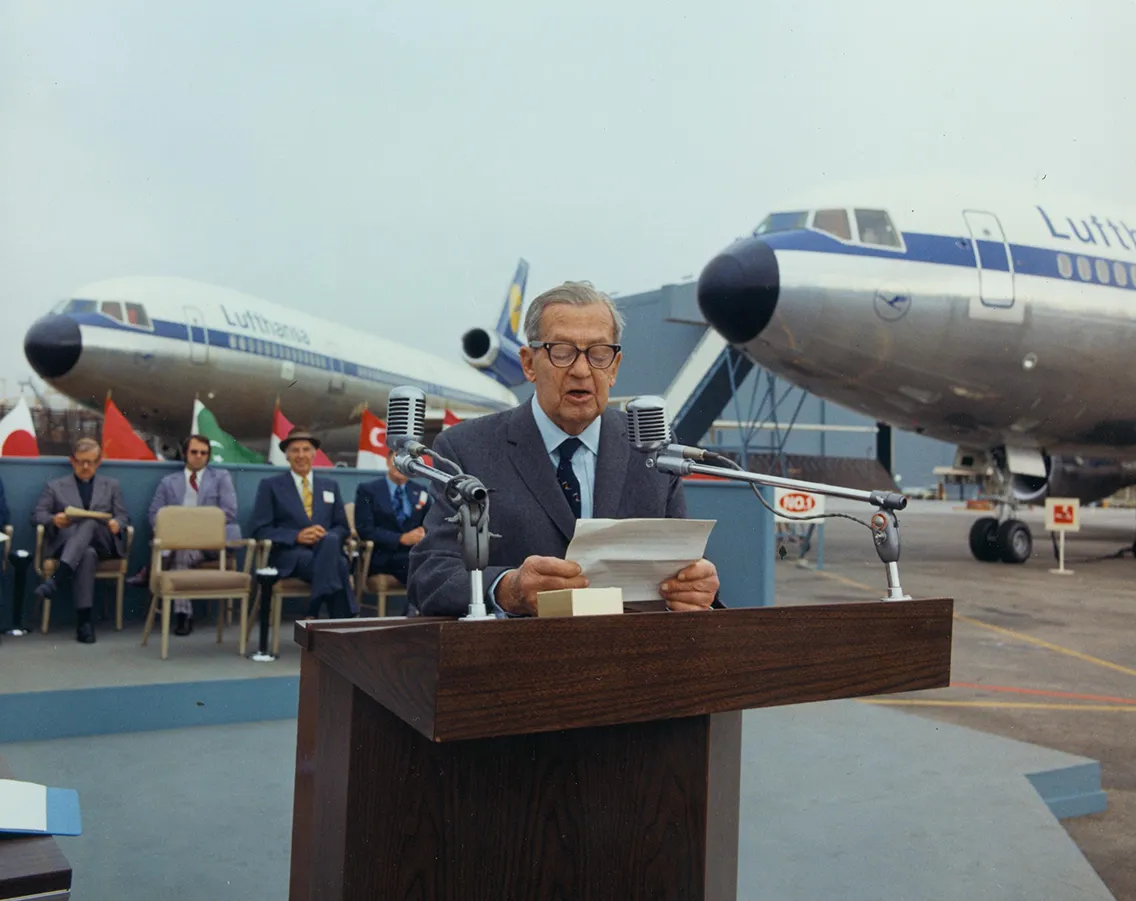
(412, 537)
(311, 535)
(114, 527)
(61, 520)
(693, 588)
(516, 593)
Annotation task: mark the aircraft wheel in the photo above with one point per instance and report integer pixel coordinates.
(1015, 541)
(984, 540)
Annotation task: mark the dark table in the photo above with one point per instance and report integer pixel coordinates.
(32, 865)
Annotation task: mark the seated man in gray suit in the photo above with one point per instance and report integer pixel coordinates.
(195, 486)
(81, 543)
(562, 457)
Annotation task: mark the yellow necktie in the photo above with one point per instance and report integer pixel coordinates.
(307, 496)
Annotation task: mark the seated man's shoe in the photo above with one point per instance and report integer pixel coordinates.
(85, 633)
(47, 588)
(184, 624)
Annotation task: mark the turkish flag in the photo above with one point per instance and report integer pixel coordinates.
(120, 441)
(449, 419)
(372, 443)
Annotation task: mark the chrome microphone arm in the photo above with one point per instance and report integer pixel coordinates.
(470, 498)
(884, 524)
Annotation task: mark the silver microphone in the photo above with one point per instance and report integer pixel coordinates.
(649, 431)
(406, 420)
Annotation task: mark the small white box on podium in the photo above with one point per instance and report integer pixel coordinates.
(580, 602)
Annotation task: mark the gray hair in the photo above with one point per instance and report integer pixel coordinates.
(85, 444)
(577, 294)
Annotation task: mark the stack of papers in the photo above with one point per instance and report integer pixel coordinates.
(637, 555)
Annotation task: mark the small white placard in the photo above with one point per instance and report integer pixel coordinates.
(1062, 514)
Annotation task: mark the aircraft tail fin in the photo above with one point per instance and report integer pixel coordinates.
(509, 323)
(497, 352)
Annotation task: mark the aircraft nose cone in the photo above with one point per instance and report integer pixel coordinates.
(52, 346)
(737, 291)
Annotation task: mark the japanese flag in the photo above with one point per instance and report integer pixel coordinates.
(17, 433)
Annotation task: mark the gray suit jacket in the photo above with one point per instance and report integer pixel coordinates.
(214, 489)
(58, 494)
(526, 505)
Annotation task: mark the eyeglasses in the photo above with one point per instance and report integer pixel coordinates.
(599, 356)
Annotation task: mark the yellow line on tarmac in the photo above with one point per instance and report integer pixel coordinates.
(1003, 705)
(1040, 642)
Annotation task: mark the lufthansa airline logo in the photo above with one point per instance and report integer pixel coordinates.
(515, 307)
(892, 303)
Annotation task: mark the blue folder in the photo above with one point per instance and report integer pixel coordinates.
(20, 806)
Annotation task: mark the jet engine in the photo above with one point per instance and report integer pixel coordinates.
(1085, 479)
(496, 355)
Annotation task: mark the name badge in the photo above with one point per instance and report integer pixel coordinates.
(329, 497)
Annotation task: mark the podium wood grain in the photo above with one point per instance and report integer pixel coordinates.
(578, 758)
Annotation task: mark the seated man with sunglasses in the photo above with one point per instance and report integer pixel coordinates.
(196, 485)
(561, 457)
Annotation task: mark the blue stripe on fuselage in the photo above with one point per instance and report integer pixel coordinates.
(236, 342)
(947, 250)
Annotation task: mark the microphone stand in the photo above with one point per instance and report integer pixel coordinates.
(471, 499)
(884, 524)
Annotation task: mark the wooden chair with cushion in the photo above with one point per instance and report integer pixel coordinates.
(203, 529)
(109, 570)
(285, 588)
(381, 585)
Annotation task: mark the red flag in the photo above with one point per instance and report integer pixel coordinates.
(449, 419)
(372, 443)
(280, 429)
(120, 441)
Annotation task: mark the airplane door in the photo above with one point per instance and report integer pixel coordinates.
(198, 336)
(993, 258)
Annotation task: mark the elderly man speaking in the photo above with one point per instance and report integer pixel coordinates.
(562, 457)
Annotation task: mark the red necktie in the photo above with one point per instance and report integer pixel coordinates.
(193, 480)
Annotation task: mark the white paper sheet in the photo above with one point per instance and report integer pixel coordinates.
(23, 806)
(637, 555)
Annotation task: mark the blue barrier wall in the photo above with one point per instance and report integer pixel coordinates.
(741, 544)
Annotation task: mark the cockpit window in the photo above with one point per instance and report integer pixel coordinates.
(835, 222)
(876, 228)
(136, 315)
(112, 308)
(781, 222)
(81, 306)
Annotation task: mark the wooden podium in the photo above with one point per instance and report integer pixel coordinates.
(579, 758)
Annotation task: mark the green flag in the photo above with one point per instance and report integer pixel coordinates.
(226, 448)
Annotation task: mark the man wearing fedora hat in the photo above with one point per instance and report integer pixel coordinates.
(302, 515)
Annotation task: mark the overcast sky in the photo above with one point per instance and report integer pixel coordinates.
(385, 164)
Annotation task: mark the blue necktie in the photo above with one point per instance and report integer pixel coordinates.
(566, 476)
(400, 504)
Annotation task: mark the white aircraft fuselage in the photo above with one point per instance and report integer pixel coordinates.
(998, 320)
(160, 342)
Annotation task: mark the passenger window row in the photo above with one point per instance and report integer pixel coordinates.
(1106, 273)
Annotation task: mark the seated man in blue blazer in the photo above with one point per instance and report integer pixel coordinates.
(302, 515)
(390, 512)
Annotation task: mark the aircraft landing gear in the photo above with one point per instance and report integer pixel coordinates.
(1009, 541)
